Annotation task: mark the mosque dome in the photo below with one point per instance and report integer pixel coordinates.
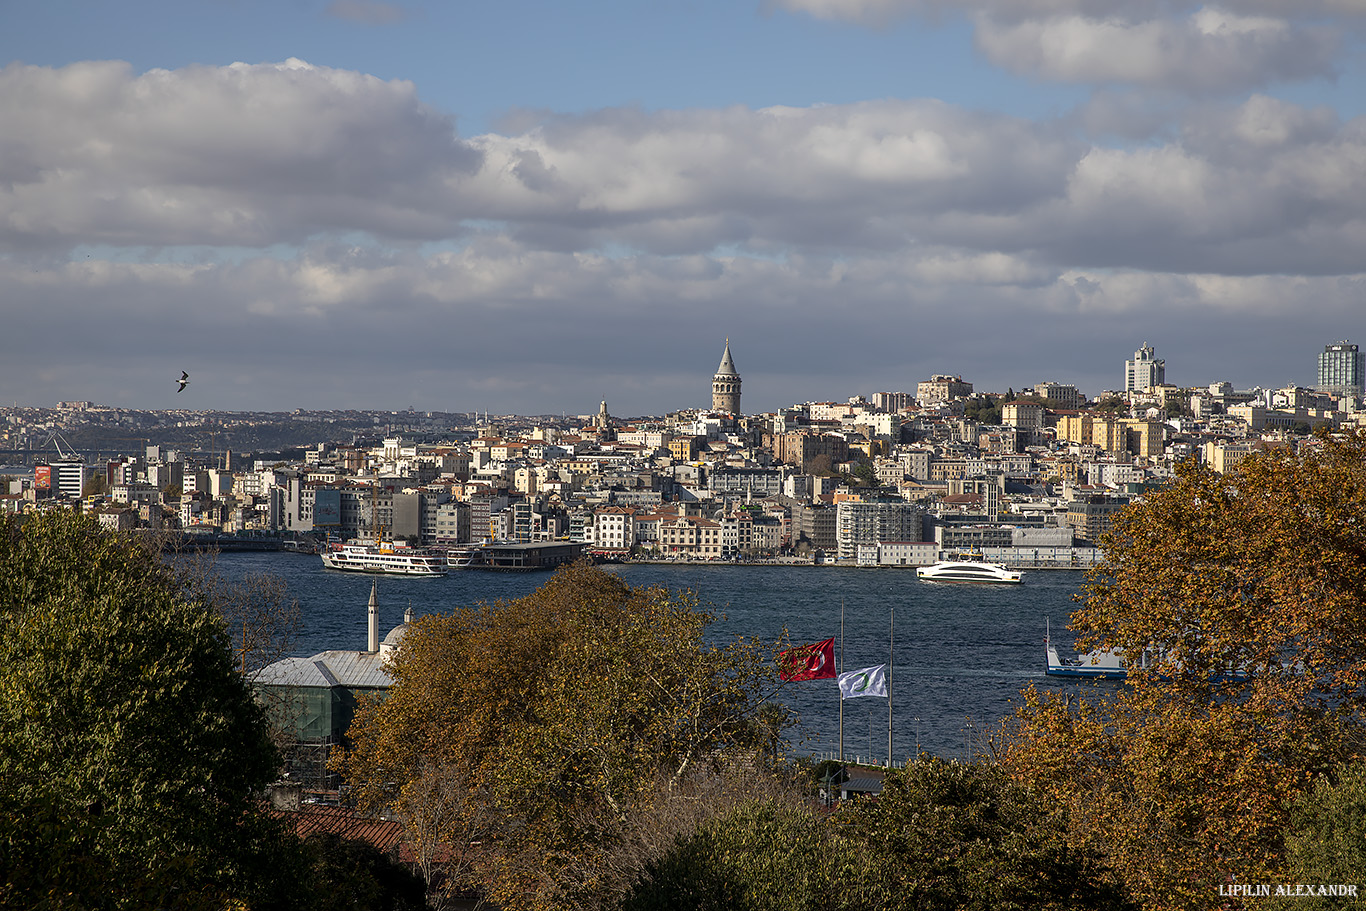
(394, 640)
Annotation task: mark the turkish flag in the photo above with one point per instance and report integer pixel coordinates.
(808, 662)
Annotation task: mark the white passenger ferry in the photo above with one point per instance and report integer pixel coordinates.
(360, 557)
(969, 571)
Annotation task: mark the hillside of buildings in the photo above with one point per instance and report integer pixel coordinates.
(1029, 478)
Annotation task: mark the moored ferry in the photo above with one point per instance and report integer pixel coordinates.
(371, 558)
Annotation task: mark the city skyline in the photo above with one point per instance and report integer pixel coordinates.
(528, 208)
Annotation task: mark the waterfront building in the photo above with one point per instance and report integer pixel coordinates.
(907, 553)
(1091, 514)
(452, 522)
(814, 527)
(1342, 370)
(691, 536)
(874, 522)
(614, 527)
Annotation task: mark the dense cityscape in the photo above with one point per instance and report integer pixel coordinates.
(1027, 478)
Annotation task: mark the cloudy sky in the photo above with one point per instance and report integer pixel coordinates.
(533, 206)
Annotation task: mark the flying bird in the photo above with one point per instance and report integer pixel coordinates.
(184, 381)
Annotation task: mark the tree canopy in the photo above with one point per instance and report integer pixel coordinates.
(1248, 593)
(941, 835)
(984, 409)
(561, 719)
(130, 748)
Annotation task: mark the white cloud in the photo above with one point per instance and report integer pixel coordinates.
(877, 12)
(238, 155)
(259, 156)
(502, 326)
(951, 234)
(1179, 45)
(1209, 52)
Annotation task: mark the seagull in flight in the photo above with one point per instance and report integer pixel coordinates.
(184, 381)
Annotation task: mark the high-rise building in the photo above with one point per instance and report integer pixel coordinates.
(1144, 371)
(68, 477)
(1342, 370)
(725, 385)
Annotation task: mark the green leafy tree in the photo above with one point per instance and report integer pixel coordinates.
(984, 409)
(866, 474)
(1326, 842)
(1112, 405)
(941, 835)
(565, 716)
(1248, 592)
(347, 874)
(130, 748)
(949, 835)
(766, 855)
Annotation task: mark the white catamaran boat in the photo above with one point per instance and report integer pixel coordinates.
(360, 557)
(969, 571)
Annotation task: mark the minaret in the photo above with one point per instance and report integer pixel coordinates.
(372, 645)
(725, 385)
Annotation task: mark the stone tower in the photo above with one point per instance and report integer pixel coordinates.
(725, 385)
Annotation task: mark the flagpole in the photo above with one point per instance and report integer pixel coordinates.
(838, 691)
(891, 656)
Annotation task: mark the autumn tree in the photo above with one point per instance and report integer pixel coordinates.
(564, 717)
(1247, 593)
(130, 747)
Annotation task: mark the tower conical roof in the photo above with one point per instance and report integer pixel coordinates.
(727, 367)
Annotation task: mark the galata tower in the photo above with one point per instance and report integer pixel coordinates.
(725, 385)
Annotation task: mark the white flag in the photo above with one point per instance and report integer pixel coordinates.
(871, 681)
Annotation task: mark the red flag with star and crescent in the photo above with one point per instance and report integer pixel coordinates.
(808, 662)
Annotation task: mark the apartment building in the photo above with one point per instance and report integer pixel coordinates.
(691, 536)
(940, 389)
(861, 522)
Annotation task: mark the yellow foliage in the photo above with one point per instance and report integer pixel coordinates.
(1249, 592)
(524, 738)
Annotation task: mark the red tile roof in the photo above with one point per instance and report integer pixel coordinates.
(384, 834)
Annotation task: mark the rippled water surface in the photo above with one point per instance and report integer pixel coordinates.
(960, 653)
